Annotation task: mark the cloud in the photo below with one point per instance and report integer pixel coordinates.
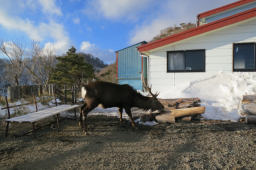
(117, 9)
(108, 56)
(86, 46)
(49, 7)
(16, 23)
(172, 13)
(40, 32)
(76, 20)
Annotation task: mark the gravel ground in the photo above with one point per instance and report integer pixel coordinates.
(114, 145)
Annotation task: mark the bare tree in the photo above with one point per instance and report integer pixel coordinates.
(41, 63)
(38, 62)
(15, 53)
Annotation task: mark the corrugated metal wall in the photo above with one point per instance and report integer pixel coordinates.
(129, 66)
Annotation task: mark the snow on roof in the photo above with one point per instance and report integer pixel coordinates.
(224, 8)
(199, 30)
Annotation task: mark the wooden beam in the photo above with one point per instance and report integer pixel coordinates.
(188, 111)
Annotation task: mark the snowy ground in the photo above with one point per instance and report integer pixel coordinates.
(220, 94)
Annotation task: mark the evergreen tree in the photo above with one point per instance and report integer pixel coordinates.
(71, 69)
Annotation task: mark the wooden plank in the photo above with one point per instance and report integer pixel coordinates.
(36, 116)
(16, 106)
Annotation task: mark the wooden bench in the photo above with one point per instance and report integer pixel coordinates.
(39, 115)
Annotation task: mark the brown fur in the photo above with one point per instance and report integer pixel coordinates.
(115, 95)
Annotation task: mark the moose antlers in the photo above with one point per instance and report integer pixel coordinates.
(147, 88)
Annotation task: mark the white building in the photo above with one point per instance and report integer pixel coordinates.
(224, 40)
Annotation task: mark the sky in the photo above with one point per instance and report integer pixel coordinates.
(99, 27)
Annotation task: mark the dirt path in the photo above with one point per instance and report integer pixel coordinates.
(111, 145)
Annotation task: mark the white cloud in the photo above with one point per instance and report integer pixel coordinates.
(16, 23)
(171, 13)
(40, 32)
(76, 20)
(117, 9)
(86, 46)
(108, 56)
(49, 7)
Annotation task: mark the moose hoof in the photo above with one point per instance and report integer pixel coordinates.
(134, 125)
(85, 133)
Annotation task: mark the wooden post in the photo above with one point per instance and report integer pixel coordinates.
(33, 127)
(65, 94)
(55, 96)
(72, 92)
(35, 103)
(75, 94)
(9, 116)
(57, 119)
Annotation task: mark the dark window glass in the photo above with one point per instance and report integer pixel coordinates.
(244, 57)
(186, 61)
(195, 60)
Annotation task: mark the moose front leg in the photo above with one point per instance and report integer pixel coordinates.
(85, 112)
(84, 123)
(128, 112)
(120, 113)
(80, 118)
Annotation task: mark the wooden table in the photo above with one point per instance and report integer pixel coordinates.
(40, 115)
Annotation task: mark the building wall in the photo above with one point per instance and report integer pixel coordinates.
(129, 66)
(219, 55)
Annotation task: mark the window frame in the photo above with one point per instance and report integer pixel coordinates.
(233, 59)
(184, 51)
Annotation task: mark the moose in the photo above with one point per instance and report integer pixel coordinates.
(115, 95)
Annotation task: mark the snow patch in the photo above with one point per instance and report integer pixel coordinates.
(220, 94)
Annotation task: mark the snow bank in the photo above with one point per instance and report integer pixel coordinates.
(221, 94)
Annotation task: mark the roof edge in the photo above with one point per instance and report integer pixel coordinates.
(199, 30)
(142, 42)
(223, 8)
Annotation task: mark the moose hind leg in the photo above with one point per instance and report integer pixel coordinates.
(120, 113)
(81, 115)
(85, 112)
(128, 112)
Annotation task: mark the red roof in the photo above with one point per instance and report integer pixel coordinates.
(199, 30)
(224, 8)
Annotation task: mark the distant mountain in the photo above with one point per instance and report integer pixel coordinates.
(107, 74)
(97, 63)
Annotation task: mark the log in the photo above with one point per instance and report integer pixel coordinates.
(165, 118)
(186, 119)
(180, 101)
(249, 99)
(249, 109)
(250, 119)
(187, 112)
(169, 116)
(187, 104)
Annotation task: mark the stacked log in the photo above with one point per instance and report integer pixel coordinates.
(248, 106)
(185, 114)
(182, 109)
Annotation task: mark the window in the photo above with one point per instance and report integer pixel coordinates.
(244, 57)
(186, 61)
